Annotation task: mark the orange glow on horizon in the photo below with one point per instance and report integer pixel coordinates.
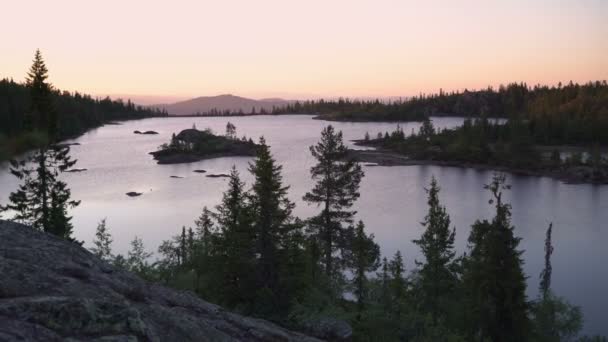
(308, 49)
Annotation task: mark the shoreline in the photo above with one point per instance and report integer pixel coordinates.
(574, 175)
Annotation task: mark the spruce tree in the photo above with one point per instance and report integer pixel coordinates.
(362, 257)
(397, 286)
(337, 188)
(494, 278)
(42, 200)
(437, 273)
(236, 247)
(270, 211)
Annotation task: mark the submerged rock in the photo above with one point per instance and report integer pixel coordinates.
(200, 171)
(76, 170)
(219, 175)
(177, 177)
(146, 132)
(54, 290)
(133, 194)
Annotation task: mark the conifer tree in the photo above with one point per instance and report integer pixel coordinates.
(494, 277)
(555, 319)
(337, 188)
(437, 274)
(362, 257)
(397, 285)
(102, 242)
(42, 199)
(270, 211)
(236, 258)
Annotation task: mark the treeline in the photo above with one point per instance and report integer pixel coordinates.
(75, 113)
(576, 108)
(515, 143)
(253, 256)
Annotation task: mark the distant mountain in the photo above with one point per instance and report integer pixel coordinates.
(221, 103)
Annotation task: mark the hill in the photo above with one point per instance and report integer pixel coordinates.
(221, 104)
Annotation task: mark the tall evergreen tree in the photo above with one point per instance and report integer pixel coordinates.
(337, 187)
(545, 275)
(397, 286)
(555, 319)
(42, 115)
(271, 216)
(42, 200)
(494, 278)
(362, 257)
(236, 247)
(437, 274)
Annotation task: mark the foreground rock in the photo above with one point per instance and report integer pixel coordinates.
(192, 145)
(53, 290)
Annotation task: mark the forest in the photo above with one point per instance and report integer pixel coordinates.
(569, 111)
(76, 113)
(252, 255)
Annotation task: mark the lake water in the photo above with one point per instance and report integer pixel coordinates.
(392, 203)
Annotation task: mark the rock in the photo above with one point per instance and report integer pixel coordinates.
(328, 328)
(200, 171)
(150, 132)
(136, 132)
(76, 170)
(54, 290)
(133, 194)
(177, 177)
(219, 175)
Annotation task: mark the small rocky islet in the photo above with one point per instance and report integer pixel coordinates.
(192, 145)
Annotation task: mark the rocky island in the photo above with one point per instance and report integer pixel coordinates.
(55, 290)
(192, 145)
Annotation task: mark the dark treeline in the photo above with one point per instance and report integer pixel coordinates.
(513, 144)
(253, 256)
(75, 114)
(580, 106)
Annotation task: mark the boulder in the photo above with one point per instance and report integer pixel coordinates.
(55, 290)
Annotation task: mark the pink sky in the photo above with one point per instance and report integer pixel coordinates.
(161, 50)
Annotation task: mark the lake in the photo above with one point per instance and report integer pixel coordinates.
(392, 203)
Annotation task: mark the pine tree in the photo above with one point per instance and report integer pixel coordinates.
(555, 319)
(271, 215)
(42, 199)
(236, 248)
(397, 286)
(545, 275)
(437, 274)
(102, 242)
(42, 116)
(362, 257)
(494, 278)
(337, 187)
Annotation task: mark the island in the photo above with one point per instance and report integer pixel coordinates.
(483, 144)
(192, 145)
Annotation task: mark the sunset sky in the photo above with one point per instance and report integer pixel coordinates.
(156, 51)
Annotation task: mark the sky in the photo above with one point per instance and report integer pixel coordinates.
(161, 51)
